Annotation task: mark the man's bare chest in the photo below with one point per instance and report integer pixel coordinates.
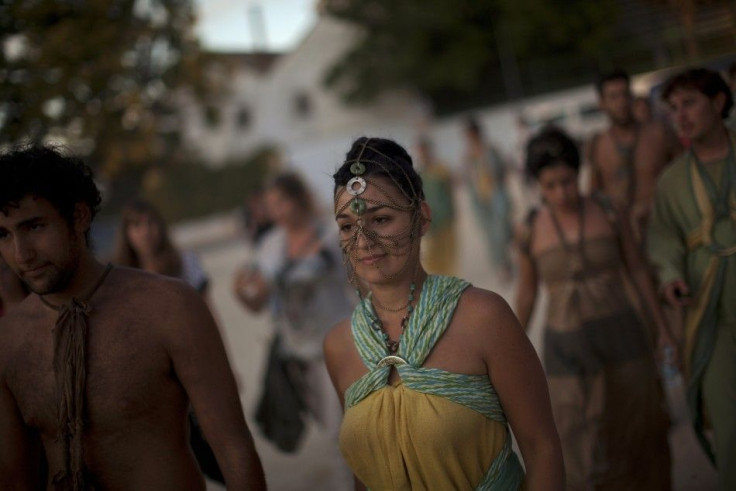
(127, 375)
(613, 162)
(612, 154)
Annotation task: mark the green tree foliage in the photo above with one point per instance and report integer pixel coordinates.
(430, 45)
(98, 75)
(191, 190)
(572, 27)
(463, 52)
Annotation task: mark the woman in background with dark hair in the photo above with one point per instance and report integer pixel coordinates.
(606, 395)
(431, 371)
(143, 242)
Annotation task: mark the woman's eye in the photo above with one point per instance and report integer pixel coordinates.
(381, 219)
(345, 228)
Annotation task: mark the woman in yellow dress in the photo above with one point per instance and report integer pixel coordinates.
(431, 371)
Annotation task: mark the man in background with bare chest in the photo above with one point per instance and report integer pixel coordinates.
(628, 156)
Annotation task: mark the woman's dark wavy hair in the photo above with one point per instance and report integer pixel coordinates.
(45, 172)
(382, 158)
(707, 82)
(551, 146)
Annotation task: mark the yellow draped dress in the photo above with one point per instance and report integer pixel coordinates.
(432, 429)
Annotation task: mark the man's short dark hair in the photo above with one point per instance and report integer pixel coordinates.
(611, 76)
(707, 82)
(44, 172)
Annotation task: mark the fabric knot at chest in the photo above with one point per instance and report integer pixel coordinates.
(73, 309)
(70, 371)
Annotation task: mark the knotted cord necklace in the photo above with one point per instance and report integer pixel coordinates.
(70, 370)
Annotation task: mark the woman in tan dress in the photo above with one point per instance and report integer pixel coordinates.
(604, 386)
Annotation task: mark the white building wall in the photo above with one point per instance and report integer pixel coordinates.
(315, 143)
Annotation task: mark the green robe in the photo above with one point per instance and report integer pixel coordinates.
(437, 182)
(692, 236)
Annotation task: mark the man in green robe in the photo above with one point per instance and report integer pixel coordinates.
(692, 244)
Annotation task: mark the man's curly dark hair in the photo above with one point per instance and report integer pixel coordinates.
(44, 171)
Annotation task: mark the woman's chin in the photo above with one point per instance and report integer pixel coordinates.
(381, 277)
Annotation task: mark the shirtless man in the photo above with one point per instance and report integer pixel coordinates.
(146, 345)
(627, 158)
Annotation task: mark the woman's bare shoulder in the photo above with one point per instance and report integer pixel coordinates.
(338, 338)
(484, 312)
(480, 302)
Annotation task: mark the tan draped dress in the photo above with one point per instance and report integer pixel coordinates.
(604, 385)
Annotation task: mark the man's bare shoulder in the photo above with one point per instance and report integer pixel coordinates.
(137, 287)
(137, 279)
(14, 325)
(18, 312)
(156, 299)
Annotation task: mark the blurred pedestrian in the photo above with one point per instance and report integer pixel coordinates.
(440, 241)
(606, 395)
(256, 221)
(143, 242)
(298, 274)
(486, 172)
(431, 370)
(692, 244)
(628, 156)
